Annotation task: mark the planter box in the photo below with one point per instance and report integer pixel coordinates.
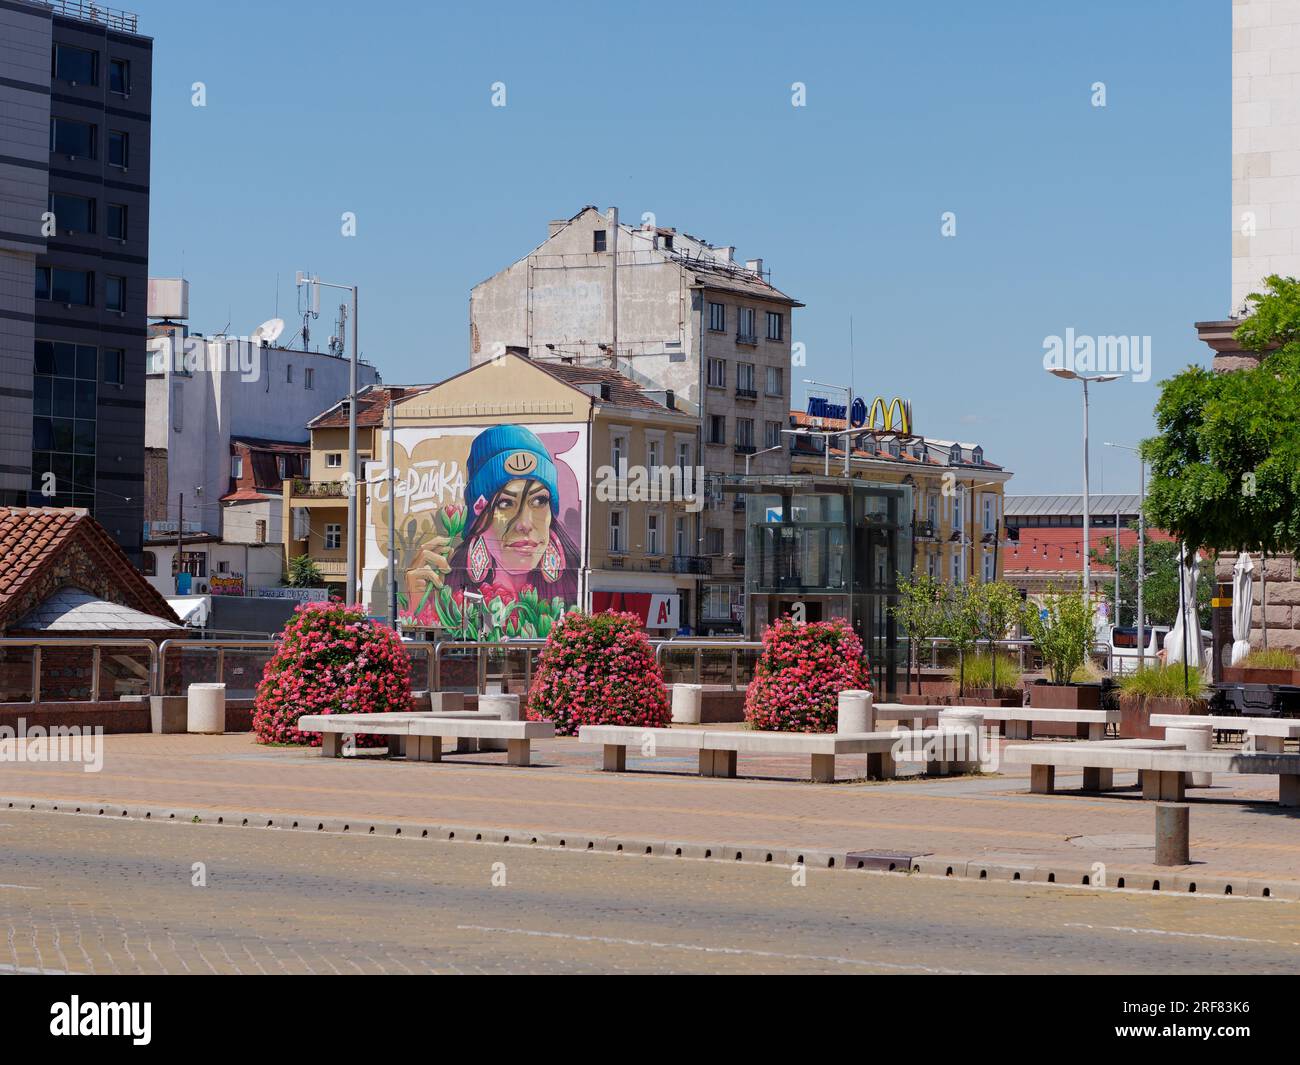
(1135, 714)
(1258, 675)
(1064, 697)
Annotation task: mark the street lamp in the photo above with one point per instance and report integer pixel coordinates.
(1096, 379)
(317, 283)
(766, 451)
(1142, 544)
(848, 418)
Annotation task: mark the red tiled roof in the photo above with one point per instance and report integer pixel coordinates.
(34, 541)
(623, 391)
(1058, 550)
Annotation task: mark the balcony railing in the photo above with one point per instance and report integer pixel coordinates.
(111, 17)
(747, 393)
(747, 338)
(319, 489)
(746, 449)
(693, 564)
(923, 530)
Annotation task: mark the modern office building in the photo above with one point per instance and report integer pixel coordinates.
(75, 84)
(677, 315)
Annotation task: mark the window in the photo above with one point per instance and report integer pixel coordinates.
(598, 240)
(772, 434)
(717, 373)
(282, 466)
(717, 317)
(745, 334)
(79, 65)
(990, 514)
(775, 381)
(653, 532)
(237, 466)
(616, 543)
(956, 567)
(775, 326)
(115, 293)
(309, 378)
(195, 563)
(118, 148)
(288, 373)
(115, 220)
(333, 537)
(64, 398)
(713, 541)
(334, 461)
(260, 531)
(717, 428)
(113, 361)
(149, 564)
(617, 452)
(745, 378)
(76, 287)
(990, 566)
(73, 214)
(932, 511)
(119, 76)
(679, 537)
(652, 453)
(72, 138)
(745, 432)
(683, 454)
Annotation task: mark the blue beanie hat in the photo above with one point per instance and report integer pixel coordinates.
(508, 453)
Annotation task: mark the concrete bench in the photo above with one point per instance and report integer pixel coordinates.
(419, 736)
(1162, 764)
(1018, 720)
(718, 751)
(1264, 734)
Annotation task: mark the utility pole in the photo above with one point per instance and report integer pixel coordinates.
(1115, 619)
(392, 513)
(180, 543)
(613, 247)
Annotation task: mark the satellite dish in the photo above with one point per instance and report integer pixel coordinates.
(269, 332)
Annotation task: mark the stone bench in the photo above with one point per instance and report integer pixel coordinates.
(1162, 764)
(718, 751)
(1263, 734)
(419, 736)
(1018, 720)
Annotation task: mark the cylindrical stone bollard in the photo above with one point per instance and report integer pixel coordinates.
(1194, 736)
(506, 707)
(962, 748)
(1172, 821)
(205, 712)
(857, 712)
(688, 700)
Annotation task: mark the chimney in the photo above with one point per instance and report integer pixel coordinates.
(754, 266)
(670, 399)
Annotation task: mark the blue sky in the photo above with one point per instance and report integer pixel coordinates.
(1106, 220)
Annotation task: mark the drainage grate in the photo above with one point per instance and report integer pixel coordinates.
(885, 861)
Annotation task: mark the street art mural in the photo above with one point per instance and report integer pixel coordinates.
(488, 528)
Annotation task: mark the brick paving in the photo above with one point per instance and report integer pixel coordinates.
(1238, 832)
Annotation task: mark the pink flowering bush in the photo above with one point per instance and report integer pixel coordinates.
(598, 669)
(800, 674)
(332, 659)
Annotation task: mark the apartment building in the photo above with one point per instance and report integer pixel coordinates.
(677, 315)
(74, 246)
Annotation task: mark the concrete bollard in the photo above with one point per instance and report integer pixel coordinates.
(507, 708)
(688, 700)
(963, 742)
(1194, 736)
(1172, 824)
(857, 713)
(206, 710)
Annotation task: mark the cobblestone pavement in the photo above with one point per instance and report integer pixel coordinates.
(97, 895)
(1237, 830)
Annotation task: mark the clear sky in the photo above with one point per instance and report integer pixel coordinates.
(1104, 220)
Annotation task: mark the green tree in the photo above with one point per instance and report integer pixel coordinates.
(997, 607)
(920, 610)
(1062, 629)
(1160, 591)
(304, 573)
(962, 624)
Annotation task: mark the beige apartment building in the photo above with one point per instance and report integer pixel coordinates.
(522, 489)
(679, 317)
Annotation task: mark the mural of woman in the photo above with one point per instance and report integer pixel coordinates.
(512, 550)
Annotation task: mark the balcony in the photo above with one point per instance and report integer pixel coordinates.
(693, 564)
(318, 489)
(748, 339)
(747, 393)
(746, 449)
(923, 530)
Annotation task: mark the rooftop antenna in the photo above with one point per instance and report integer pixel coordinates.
(310, 311)
(268, 332)
(338, 342)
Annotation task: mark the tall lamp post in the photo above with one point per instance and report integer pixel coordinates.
(1085, 380)
(1142, 552)
(848, 419)
(766, 451)
(316, 283)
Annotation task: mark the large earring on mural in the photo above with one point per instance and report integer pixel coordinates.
(480, 560)
(553, 561)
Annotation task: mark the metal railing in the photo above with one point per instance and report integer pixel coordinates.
(698, 647)
(1022, 647)
(126, 21)
(96, 647)
(481, 647)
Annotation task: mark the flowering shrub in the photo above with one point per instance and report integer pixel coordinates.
(800, 674)
(332, 659)
(598, 669)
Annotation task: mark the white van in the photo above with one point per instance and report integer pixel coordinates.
(1123, 642)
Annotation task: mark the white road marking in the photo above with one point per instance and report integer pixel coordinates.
(19, 887)
(28, 970)
(1181, 935)
(718, 950)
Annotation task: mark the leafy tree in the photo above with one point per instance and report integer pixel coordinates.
(304, 573)
(920, 610)
(962, 625)
(997, 606)
(1160, 591)
(1063, 631)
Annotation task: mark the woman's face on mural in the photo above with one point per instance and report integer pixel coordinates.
(520, 527)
